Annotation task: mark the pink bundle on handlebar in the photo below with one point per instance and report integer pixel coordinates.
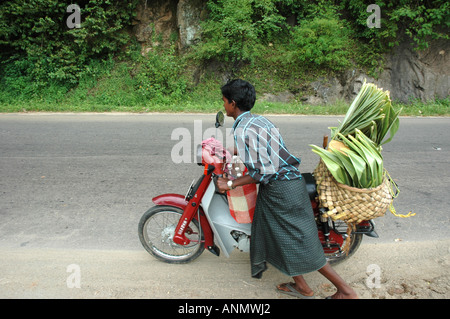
(216, 151)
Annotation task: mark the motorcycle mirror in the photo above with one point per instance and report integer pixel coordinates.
(220, 118)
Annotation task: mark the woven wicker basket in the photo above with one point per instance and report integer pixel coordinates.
(350, 204)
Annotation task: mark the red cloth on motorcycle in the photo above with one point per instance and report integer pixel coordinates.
(241, 200)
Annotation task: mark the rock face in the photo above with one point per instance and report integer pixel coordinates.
(155, 22)
(189, 14)
(158, 21)
(408, 74)
(423, 75)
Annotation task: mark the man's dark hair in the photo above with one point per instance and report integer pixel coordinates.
(241, 92)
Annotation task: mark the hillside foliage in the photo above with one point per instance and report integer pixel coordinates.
(41, 58)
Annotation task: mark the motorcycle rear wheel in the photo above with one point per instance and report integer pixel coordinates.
(156, 230)
(341, 256)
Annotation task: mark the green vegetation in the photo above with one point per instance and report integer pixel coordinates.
(278, 45)
(353, 156)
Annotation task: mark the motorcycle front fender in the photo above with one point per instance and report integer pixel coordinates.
(176, 200)
(179, 201)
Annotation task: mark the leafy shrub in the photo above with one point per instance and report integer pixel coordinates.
(36, 33)
(160, 74)
(419, 21)
(324, 43)
(228, 34)
(240, 31)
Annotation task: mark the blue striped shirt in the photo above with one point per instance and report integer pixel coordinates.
(261, 148)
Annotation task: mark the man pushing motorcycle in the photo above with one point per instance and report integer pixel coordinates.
(284, 232)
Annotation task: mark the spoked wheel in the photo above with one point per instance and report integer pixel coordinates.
(338, 238)
(156, 230)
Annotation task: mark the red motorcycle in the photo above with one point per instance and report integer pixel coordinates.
(178, 228)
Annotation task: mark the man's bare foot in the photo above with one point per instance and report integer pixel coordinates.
(341, 295)
(305, 292)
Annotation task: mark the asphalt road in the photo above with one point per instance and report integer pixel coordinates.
(81, 181)
(84, 180)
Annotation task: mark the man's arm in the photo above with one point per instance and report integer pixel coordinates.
(241, 181)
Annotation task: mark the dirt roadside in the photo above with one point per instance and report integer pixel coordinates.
(399, 270)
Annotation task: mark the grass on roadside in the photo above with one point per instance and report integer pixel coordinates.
(119, 87)
(435, 108)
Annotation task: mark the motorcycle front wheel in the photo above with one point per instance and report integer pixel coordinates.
(156, 230)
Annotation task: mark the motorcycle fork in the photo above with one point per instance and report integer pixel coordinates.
(192, 207)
